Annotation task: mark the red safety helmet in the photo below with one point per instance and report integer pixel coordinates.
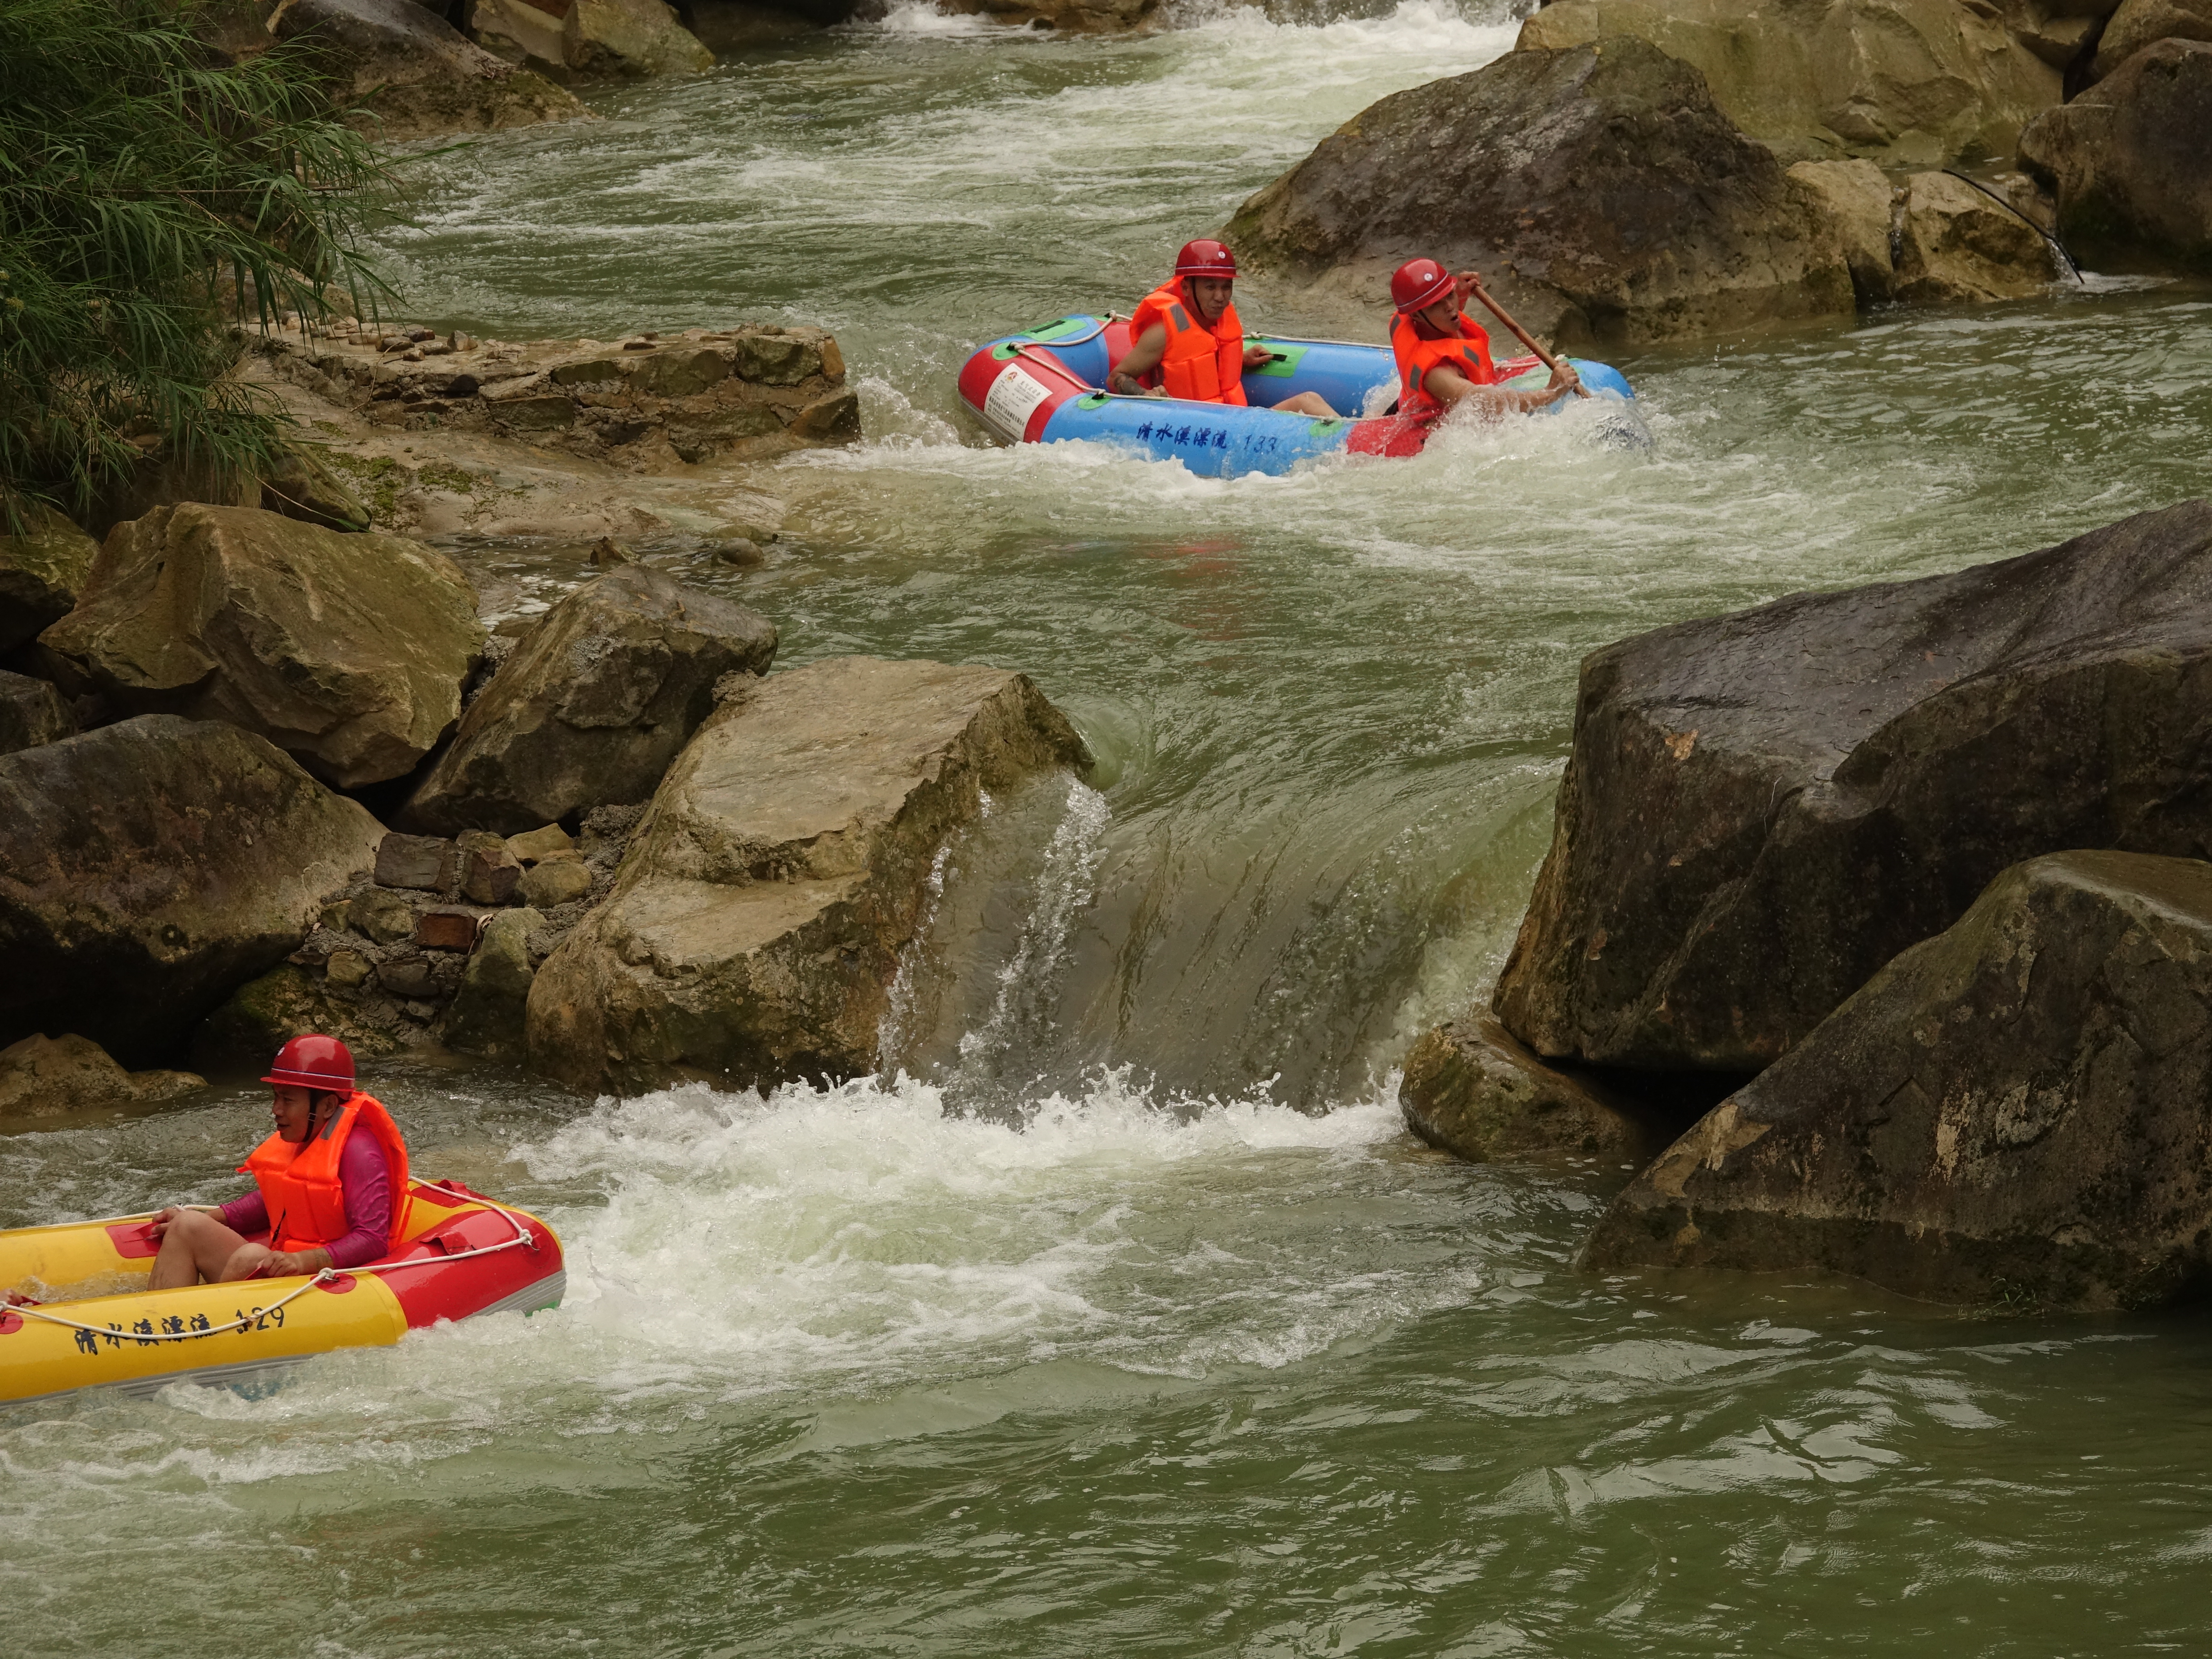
(314, 1062)
(1418, 284)
(1206, 257)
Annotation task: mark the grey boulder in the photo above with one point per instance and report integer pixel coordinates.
(1761, 809)
(148, 867)
(2017, 1110)
(754, 927)
(591, 706)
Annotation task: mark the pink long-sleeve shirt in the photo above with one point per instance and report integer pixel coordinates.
(368, 1186)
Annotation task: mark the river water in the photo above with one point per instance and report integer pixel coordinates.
(1124, 1318)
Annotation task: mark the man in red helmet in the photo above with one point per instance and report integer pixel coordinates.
(1187, 340)
(331, 1184)
(1444, 354)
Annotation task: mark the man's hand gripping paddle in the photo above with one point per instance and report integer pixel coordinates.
(1473, 282)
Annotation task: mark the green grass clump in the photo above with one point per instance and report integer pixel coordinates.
(157, 202)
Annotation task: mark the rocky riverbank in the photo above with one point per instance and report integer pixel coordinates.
(1922, 862)
(190, 868)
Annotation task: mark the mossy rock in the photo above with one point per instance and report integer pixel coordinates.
(264, 1014)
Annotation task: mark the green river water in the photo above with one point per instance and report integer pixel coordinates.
(1124, 1318)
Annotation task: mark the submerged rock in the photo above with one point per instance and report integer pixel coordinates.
(31, 712)
(1906, 83)
(2015, 1108)
(400, 71)
(2131, 162)
(1598, 188)
(1470, 1089)
(755, 926)
(1762, 809)
(40, 572)
(348, 651)
(1954, 243)
(148, 867)
(49, 1077)
(592, 705)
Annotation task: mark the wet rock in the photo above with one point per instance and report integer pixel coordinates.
(1599, 189)
(593, 704)
(49, 1077)
(31, 712)
(2014, 1108)
(2131, 164)
(1471, 1090)
(264, 1014)
(1761, 809)
(402, 71)
(554, 881)
(346, 652)
(1066, 17)
(40, 572)
(1856, 199)
(742, 551)
(1956, 244)
(488, 1014)
(1906, 83)
(630, 37)
(2140, 23)
(148, 867)
(755, 926)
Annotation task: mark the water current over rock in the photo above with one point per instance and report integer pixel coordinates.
(1129, 1321)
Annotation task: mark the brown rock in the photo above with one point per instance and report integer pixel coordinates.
(488, 871)
(1857, 200)
(43, 1076)
(1954, 245)
(2140, 23)
(426, 864)
(31, 712)
(42, 572)
(1469, 1089)
(404, 72)
(535, 845)
(445, 930)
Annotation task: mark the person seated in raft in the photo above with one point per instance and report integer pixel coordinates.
(331, 1183)
(1187, 340)
(1444, 354)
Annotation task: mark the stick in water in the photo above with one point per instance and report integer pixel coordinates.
(1519, 332)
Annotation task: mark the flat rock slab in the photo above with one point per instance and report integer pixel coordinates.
(754, 928)
(2019, 1108)
(147, 868)
(1470, 1090)
(1598, 188)
(591, 706)
(346, 652)
(1762, 809)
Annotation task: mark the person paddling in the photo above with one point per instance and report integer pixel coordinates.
(1444, 354)
(331, 1184)
(1187, 340)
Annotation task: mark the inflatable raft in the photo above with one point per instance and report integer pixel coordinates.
(463, 1254)
(1047, 386)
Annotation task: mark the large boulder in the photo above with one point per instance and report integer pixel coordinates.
(1763, 808)
(346, 652)
(1469, 1089)
(591, 706)
(1955, 243)
(630, 37)
(49, 1077)
(1599, 189)
(754, 929)
(402, 71)
(2140, 23)
(148, 867)
(2018, 1109)
(40, 572)
(2130, 162)
(1906, 83)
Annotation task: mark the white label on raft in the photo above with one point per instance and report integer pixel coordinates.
(1014, 397)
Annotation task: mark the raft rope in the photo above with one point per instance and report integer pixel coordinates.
(327, 1276)
(2057, 247)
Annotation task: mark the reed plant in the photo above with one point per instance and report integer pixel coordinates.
(160, 201)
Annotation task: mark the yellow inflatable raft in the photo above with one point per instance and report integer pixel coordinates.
(94, 1324)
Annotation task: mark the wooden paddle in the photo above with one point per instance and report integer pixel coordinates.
(1519, 332)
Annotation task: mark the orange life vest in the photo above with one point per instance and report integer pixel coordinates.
(1469, 352)
(301, 1185)
(1204, 364)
